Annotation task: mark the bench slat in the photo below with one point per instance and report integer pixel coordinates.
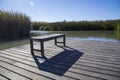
(47, 37)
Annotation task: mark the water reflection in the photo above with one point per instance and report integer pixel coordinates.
(108, 36)
(96, 39)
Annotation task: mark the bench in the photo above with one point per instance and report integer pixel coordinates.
(44, 38)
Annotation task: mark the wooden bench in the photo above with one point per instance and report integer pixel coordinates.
(44, 38)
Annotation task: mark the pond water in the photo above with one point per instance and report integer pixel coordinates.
(107, 36)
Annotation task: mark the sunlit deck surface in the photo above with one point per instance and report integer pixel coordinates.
(84, 60)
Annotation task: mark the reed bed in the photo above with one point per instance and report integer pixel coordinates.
(14, 24)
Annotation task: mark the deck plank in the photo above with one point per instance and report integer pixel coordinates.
(85, 60)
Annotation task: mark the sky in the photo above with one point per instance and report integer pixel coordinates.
(60, 10)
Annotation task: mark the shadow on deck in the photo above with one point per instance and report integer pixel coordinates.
(59, 63)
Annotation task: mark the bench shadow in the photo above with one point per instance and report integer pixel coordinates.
(59, 63)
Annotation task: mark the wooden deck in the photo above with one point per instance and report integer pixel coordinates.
(84, 60)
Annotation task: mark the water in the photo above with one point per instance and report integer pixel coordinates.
(12, 43)
(107, 36)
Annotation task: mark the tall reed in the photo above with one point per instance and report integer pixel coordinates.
(13, 24)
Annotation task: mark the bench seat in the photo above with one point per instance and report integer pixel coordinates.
(44, 38)
(47, 37)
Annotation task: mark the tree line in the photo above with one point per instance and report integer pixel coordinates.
(113, 25)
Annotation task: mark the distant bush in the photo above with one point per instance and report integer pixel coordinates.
(82, 25)
(38, 25)
(14, 24)
(118, 26)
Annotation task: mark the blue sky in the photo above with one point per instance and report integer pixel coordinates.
(70, 10)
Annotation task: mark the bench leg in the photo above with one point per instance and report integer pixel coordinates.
(64, 41)
(55, 41)
(31, 45)
(42, 48)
